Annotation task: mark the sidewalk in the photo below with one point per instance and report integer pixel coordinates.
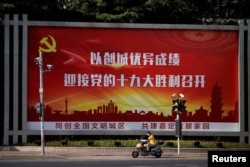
(92, 153)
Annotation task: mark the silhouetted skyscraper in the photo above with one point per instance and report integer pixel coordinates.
(216, 103)
(66, 106)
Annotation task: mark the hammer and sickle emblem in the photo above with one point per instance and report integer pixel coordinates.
(50, 47)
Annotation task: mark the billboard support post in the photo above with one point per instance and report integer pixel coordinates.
(39, 61)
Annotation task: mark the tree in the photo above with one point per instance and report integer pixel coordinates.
(50, 10)
(131, 11)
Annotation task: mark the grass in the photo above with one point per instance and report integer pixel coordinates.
(132, 143)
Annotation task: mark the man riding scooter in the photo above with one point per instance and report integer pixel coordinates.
(148, 147)
(151, 141)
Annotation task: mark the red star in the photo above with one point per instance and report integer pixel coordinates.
(199, 34)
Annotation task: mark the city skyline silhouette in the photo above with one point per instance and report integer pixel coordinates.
(111, 112)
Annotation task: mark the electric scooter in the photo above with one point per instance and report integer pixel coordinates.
(142, 150)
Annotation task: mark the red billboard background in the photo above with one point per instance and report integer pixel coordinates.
(114, 74)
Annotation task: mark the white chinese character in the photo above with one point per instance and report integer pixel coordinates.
(109, 80)
(122, 59)
(134, 79)
(174, 59)
(83, 80)
(69, 79)
(161, 60)
(122, 80)
(161, 81)
(148, 58)
(199, 80)
(109, 58)
(135, 59)
(96, 80)
(95, 58)
(148, 81)
(187, 81)
(173, 81)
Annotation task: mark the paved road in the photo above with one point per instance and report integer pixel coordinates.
(114, 163)
(95, 157)
(90, 153)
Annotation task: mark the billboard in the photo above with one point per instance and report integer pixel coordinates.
(122, 79)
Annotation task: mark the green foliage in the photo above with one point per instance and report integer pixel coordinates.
(132, 143)
(5, 7)
(226, 21)
(206, 144)
(130, 11)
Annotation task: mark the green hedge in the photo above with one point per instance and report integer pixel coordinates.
(132, 143)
